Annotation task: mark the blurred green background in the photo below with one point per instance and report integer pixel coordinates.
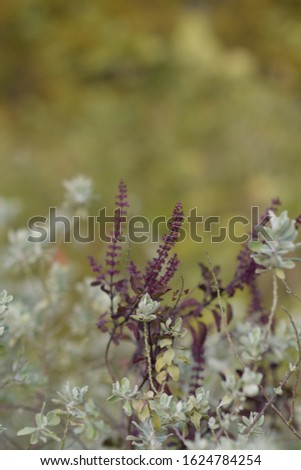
(197, 101)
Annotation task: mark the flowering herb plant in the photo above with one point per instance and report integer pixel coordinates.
(186, 369)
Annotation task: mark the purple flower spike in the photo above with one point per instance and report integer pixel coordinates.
(152, 283)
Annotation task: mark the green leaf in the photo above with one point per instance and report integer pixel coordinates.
(114, 399)
(255, 245)
(195, 418)
(174, 372)
(160, 363)
(246, 420)
(41, 420)
(156, 421)
(164, 359)
(90, 432)
(138, 405)
(144, 414)
(226, 400)
(128, 408)
(38, 420)
(280, 273)
(161, 376)
(51, 434)
(288, 264)
(25, 431)
(125, 384)
(165, 342)
(260, 271)
(183, 359)
(53, 419)
(34, 438)
(168, 356)
(260, 421)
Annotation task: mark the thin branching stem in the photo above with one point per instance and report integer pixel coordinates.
(5, 382)
(214, 436)
(298, 365)
(281, 416)
(274, 304)
(222, 427)
(109, 343)
(179, 435)
(290, 291)
(224, 314)
(107, 361)
(63, 441)
(270, 401)
(179, 296)
(46, 317)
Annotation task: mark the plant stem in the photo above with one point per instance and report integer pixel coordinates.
(5, 382)
(270, 401)
(107, 362)
(107, 350)
(148, 356)
(63, 443)
(298, 364)
(222, 428)
(224, 314)
(274, 304)
(283, 418)
(290, 291)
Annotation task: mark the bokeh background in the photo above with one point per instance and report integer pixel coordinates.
(197, 101)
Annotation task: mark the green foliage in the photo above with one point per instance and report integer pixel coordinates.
(252, 343)
(122, 391)
(160, 413)
(41, 431)
(182, 101)
(277, 240)
(4, 301)
(146, 309)
(151, 405)
(78, 415)
(249, 425)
